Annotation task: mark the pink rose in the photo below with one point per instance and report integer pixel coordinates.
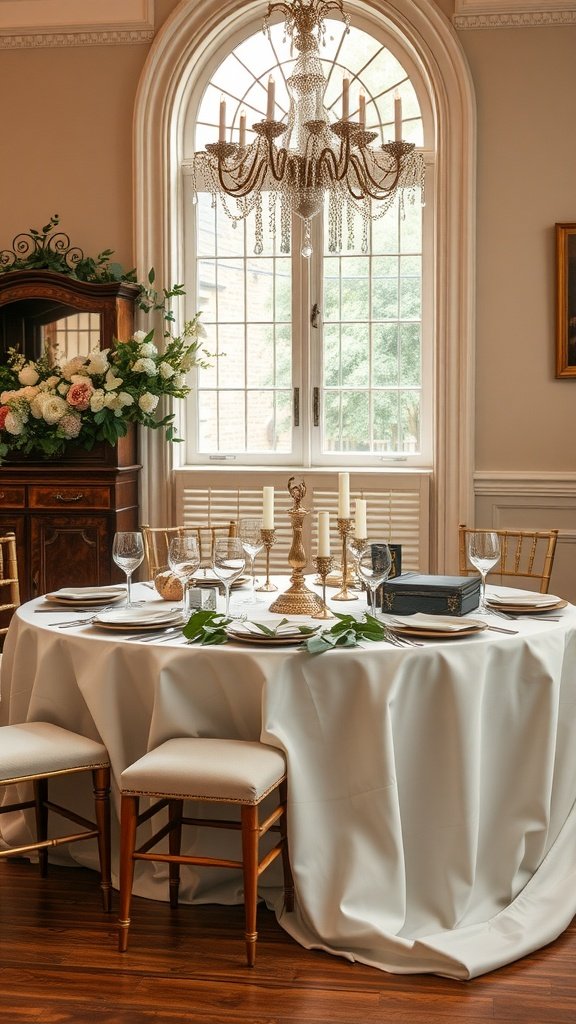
(4, 410)
(79, 395)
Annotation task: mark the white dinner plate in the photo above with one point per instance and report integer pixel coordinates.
(138, 618)
(209, 579)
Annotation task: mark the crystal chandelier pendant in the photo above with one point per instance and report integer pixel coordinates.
(307, 249)
(308, 162)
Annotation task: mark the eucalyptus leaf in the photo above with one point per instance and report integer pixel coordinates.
(347, 631)
(206, 627)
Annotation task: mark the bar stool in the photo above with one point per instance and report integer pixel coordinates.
(205, 770)
(38, 752)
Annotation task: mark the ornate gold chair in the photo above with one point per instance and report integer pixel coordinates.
(524, 555)
(9, 585)
(157, 541)
(235, 772)
(38, 752)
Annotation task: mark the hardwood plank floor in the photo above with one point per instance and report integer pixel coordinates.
(59, 965)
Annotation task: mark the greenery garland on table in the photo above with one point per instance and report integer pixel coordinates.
(46, 406)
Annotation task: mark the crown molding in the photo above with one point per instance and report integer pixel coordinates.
(474, 14)
(35, 23)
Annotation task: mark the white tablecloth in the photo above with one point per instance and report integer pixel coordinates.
(431, 790)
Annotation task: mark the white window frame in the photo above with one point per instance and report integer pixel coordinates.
(161, 99)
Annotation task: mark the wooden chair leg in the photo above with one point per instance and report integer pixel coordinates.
(128, 825)
(40, 798)
(286, 866)
(101, 783)
(250, 826)
(175, 809)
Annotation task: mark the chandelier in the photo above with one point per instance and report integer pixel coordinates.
(300, 163)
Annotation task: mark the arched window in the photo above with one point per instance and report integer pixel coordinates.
(434, 280)
(325, 357)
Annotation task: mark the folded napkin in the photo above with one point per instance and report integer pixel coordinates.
(523, 598)
(87, 593)
(437, 623)
(139, 616)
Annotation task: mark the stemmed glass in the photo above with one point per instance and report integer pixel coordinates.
(229, 562)
(184, 560)
(483, 553)
(128, 554)
(373, 565)
(250, 533)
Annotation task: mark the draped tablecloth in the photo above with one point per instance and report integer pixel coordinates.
(432, 820)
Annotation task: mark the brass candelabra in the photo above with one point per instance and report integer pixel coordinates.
(298, 599)
(268, 536)
(323, 565)
(344, 528)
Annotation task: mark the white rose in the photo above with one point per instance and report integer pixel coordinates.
(28, 375)
(97, 400)
(98, 363)
(147, 366)
(165, 370)
(179, 380)
(13, 424)
(148, 402)
(148, 349)
(74, 366)
(111, 382)
(140, 335)
(37, 405)
(54, 408)
(125, 399)
(63, 388)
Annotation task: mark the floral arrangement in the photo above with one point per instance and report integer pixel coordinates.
(45, 406)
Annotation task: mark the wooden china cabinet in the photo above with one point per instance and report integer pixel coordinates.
(66, 511)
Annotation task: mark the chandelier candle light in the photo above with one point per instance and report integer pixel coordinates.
(308, 158)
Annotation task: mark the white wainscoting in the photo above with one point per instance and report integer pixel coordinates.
(398, 507)
(541, 501)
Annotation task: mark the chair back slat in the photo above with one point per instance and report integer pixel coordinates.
(157, 541)
(524, 555)
(9, 582)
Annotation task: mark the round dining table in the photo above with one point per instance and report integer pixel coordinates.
(431, 788)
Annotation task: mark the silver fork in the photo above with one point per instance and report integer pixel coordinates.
(519, 615)
(400, 641)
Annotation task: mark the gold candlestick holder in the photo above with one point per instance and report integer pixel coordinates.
(344, 528)
(298, 599)
(268, 537)
(323, 565)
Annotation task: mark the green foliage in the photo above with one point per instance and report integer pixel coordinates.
(347, 632)
(206, 627)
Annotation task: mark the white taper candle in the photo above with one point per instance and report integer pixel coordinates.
(343, 495)
(267, 508)
(360, 528)
(323, 534)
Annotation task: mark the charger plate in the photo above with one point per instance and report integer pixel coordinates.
(525, 609)
(93, 596)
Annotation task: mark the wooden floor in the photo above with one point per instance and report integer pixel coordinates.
(59, 965)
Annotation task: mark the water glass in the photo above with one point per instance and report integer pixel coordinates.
(483, 554)
(373, 565)
(128, 554)
(250, 533)
(229, 562)
(184, 560)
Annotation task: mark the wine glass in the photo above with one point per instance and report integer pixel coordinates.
(483, 553)
(373, 565)
(128, 554)
(229, 562)
(250, 533)
(184, 560)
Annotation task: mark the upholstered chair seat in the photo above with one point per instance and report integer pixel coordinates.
(235, 772)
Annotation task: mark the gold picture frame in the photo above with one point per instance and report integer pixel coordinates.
(566, 300)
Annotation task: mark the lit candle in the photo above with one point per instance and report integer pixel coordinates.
(271, 99)
(222, 135)
(242, 129)
(267, 508)
(360, 528)
(362, 112)
(345, 98)
(397, 117)
(343, 495)
(323, 534)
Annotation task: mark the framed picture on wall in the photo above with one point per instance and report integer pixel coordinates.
(566, 300)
